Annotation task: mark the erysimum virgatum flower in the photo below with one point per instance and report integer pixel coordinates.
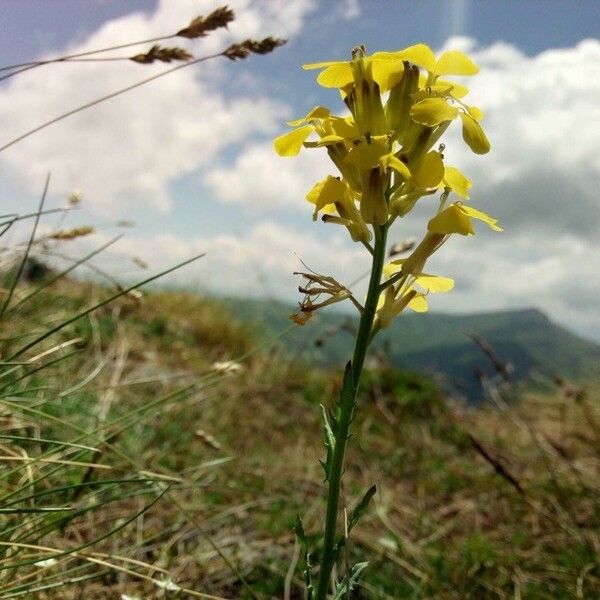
(387, 153)
(387, 157)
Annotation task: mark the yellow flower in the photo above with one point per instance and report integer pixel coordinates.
(386, 72)
(388, 158)
(336, 199)
(330, 129)
(406, 295)
(457, 218)
(456, 181)
(452, 62)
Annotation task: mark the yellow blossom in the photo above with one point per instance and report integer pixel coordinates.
(457, 218)
(388, 158)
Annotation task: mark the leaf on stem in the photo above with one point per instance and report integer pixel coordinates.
(357, 513)
(350, 582)
(301, 535)
(361, 507)
(329, 444)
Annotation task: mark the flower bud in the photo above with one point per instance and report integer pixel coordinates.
(373, 205)
(365, 100)
(397, 110)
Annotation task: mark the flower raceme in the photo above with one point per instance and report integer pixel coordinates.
(388, 157)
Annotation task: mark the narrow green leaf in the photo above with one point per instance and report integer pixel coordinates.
(356, 515)
(301, 535)
(350, 582)
(361, 507)
(329, 444)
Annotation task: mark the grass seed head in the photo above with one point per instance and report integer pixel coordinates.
(200, 26)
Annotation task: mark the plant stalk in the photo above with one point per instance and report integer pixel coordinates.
(345, 413)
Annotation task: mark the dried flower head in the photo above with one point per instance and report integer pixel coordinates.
(75, 197)
(317, 286)
(200, 26)
(71, 234)
(162, 54)
(208, 439)
(243, 49)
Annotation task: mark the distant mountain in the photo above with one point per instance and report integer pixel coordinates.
(527, 340)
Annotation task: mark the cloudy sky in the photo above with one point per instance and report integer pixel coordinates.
(189, 157)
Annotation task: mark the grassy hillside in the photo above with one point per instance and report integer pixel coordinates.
(138, 464)
(535, 347)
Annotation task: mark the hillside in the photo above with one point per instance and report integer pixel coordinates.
(535, 347)
(158, 468)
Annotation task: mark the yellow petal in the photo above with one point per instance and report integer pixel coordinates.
(344, 127)
(391, 268)
(318, 112)
(289, 144)
(384, 55)
(451, 220)
(387, 73)
(338, 75)
(430, 172)
(473, 134)
(454, 62)
(322, 65)
(327, 140)
(420, 55)
(455, 89)
(442, 87)
(481, 216)
(475, 112)
(418, 304)
(326, 191)
(457, 182)
(435, 283)
(389, 161)
(366, 156)
(432, 111)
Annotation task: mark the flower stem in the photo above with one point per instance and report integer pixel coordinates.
(345, 413)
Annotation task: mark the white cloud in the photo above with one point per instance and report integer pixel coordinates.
(260, 178)
(259, 263)
(350, 9)
(126, 151)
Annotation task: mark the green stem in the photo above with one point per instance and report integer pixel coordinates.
(345, 413)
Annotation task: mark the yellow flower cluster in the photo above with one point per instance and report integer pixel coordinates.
(386, 156)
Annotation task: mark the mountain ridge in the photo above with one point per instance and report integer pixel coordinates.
(438, 343)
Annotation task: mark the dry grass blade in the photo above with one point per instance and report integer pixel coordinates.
(19, 272)
(496, 464)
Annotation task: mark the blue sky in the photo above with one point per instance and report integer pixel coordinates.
(189, 158)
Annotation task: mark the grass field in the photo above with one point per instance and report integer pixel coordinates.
(138, 463)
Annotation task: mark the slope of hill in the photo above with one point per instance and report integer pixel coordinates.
(527, 339)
